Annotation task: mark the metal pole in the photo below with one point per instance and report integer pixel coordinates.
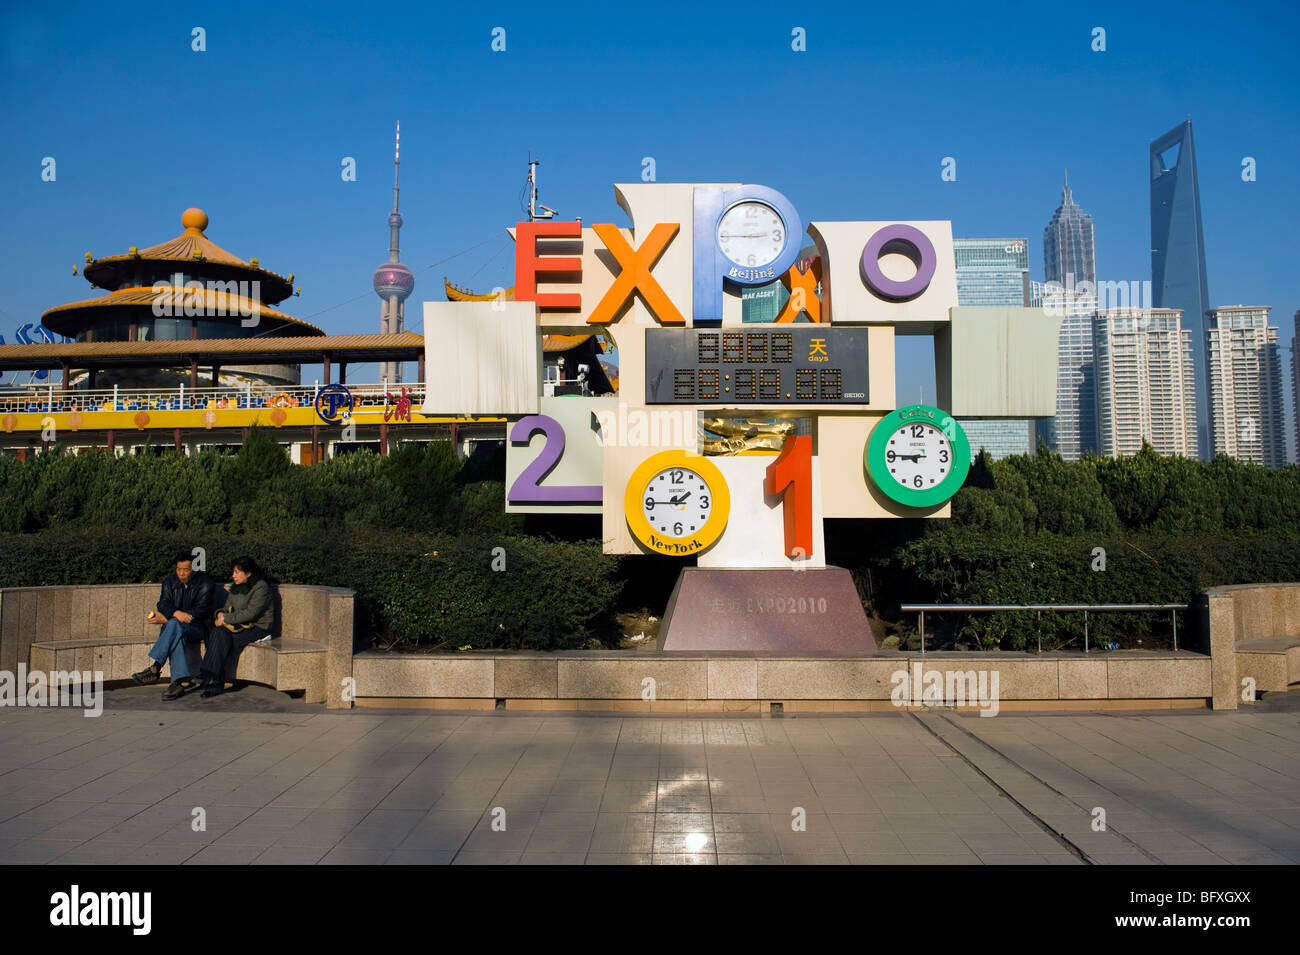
(115, 397)
(923, 635)
(1040, 632)
(1173, 615)
(1085, 631)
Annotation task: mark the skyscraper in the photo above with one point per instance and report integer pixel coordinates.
(1069, 246)
(393, 280)
(994, 272)
(1245, 386)
(1070, 264)
(1145, 390)
(1178, 250)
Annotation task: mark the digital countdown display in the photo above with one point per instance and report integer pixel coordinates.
(799, 364)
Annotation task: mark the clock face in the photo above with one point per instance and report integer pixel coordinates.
(677, 502)
(918, 456)
(751, 234)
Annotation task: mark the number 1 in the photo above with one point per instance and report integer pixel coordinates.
(791, 473)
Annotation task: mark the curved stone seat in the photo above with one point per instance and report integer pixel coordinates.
(1254, 632)
(103, 627)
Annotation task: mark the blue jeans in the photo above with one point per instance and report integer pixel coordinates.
(171, 646)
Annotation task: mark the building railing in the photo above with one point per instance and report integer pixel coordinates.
(50, 399)
(1086, 608)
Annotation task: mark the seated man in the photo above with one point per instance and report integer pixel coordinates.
(184, 609)
(246, 618)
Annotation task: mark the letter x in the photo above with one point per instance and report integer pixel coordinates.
(794, 279)
(636, 276)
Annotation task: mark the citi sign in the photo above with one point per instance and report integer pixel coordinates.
(721, 239)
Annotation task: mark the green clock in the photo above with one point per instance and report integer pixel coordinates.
(918, 456)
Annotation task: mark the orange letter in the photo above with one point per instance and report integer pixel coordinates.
(529, 264)
(803, 292)
(635, 275)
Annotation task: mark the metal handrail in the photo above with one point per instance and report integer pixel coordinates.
(183, 397)
(922, 608)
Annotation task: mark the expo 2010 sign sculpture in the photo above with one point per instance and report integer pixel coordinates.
(816, 386)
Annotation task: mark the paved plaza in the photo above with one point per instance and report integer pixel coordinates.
(280, 782)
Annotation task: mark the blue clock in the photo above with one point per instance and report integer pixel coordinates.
(749, 235)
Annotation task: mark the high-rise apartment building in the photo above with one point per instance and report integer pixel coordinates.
(1178, 250)
(1295, 383)
(995, 272)
(1145, 388)
(1245, 385)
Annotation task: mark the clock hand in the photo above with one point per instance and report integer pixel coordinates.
(680, 500)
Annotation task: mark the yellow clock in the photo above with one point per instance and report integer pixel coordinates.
(676, 503)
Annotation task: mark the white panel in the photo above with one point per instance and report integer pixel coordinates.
(481, 358)
(846, 297)
(582, 461)
(755, 534)
(1004, 362)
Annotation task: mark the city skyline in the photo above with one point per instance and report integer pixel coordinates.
(281, 196)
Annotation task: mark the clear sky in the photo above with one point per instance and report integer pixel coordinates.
(254, 130)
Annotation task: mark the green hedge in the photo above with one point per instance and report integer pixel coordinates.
(958, 564)
(436, 589)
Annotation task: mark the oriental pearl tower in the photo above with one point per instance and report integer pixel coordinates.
(393, 280)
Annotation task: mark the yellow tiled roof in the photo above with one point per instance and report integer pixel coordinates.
(183, 247)
(214, 302)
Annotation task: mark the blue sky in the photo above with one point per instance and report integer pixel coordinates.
(254, 130)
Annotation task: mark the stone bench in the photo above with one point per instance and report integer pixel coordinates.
(1253, 632)
(1273, 662)
(104, 628)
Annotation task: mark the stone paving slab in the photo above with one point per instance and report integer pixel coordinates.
(280, 782)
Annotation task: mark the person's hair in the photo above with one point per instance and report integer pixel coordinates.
(247, 565)
(182, 557)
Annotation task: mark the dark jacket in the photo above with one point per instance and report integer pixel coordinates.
(196, 597)
(249, 604)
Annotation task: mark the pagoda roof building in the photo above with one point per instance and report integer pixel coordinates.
(186, 287)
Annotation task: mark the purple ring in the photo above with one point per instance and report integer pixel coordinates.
(909, 241)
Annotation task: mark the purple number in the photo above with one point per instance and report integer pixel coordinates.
(528, 488)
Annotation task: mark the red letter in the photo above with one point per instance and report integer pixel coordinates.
(529, 264)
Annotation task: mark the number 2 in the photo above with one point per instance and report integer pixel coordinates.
(528, 488)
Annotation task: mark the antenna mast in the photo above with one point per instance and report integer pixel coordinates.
(533, 205)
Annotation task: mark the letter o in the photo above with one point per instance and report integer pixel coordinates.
(909, 241)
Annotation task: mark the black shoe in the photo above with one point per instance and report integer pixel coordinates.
(174, 692)
(148, 676)
(212, 688)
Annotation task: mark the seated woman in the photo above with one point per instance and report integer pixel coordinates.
(246, 618)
